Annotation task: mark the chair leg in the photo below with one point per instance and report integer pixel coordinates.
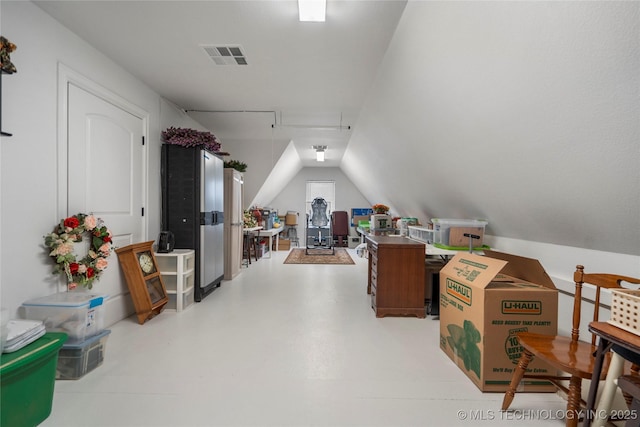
(609, 390)
(573, 401)
(518, 373)
(630, 384)
(635, 370)
(254, 246)
(246, 251)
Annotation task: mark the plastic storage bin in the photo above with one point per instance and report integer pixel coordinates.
(79, 314)
(75, 360)
(450, 233)
(625, 313)
(28, 379)
(404, 223)
(421, 234)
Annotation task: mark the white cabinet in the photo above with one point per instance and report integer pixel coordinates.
(233, 222)
(178, 274)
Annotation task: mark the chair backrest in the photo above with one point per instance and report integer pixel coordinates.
(340, 223)
(319, 212)
(599, 280)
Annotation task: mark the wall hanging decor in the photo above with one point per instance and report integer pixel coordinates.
(6, 67)
(61, 245)
(6, 47)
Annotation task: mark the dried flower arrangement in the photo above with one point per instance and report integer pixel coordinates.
(191, 138)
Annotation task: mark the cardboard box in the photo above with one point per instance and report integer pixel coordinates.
(284, 244)
(291, 219)
(358, 218)
(380, 221)
(484, 302)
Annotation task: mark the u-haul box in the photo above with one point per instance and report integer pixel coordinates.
(485, 301)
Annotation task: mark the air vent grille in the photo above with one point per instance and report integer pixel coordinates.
(225, 54)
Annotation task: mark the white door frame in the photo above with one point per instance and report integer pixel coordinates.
(65, 76)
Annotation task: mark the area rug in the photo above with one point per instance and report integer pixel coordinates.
(298, 256)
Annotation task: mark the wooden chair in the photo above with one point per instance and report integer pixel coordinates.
(566, 354)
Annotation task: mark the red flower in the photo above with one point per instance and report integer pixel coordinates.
(90, 272)
(106, 239)
(71, 222)
(73, 268)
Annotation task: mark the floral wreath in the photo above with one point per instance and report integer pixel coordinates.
(60, 243)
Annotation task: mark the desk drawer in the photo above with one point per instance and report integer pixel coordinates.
(373, 250)
(374, 263)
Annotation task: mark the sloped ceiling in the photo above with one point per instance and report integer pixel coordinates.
(305, 81)
(526, 114)
(523, 113)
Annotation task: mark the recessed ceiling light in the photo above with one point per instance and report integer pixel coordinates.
(312, 10)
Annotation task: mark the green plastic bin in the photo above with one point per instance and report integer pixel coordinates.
(27, 379)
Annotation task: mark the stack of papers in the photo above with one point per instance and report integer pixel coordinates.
(22, 332)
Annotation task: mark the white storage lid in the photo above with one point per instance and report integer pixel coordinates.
(87, 342)
(68, 299)
(460, 222)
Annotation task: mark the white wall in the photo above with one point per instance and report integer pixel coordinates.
(523, 113)
(260, 156)
(28, 159)
(293, 196)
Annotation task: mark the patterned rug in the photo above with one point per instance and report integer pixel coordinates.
(317, 256)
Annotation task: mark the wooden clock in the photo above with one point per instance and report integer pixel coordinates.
(140, 269)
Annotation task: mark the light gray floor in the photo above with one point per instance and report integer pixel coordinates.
(285, 345)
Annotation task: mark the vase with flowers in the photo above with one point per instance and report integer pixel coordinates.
(379, 208)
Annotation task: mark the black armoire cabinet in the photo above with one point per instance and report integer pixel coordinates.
(192, 209)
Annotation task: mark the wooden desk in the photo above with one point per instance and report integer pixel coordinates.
(396, 276)
(609, 335)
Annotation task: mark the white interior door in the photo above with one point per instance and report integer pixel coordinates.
(105, 173)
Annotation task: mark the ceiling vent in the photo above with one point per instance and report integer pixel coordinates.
(226, 55)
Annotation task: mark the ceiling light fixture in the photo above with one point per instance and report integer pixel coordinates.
(312, 10)
(319, 152)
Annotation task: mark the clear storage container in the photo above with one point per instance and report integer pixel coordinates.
(450, 233)
(421, 233)
(79, 314)
(76, 360)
